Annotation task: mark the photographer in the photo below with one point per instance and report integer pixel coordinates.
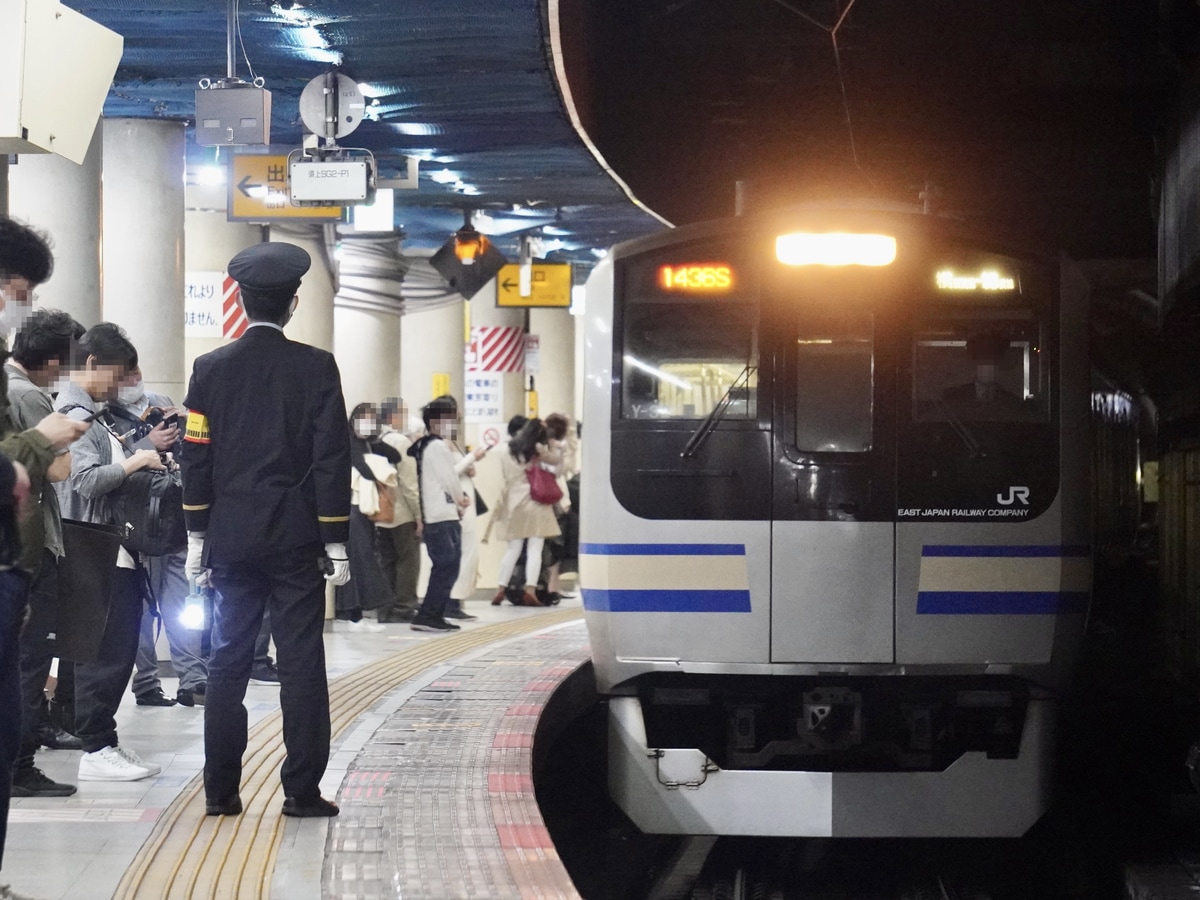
(99, 467)
(41, 354)
(155, 422)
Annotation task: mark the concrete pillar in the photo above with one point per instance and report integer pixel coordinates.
(431, 342)
(313, 321)
(366, 343)
(555, 381)
(143, 248)
(211, 242)
(62, 199)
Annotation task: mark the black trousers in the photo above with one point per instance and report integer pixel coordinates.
(37, 654)
(14, 586)
(99, 685)
(290, 585)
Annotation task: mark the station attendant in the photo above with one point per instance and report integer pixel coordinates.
(266, 493)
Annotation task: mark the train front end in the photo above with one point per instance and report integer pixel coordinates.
(834, 552)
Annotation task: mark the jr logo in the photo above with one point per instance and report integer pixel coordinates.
(1015, 493)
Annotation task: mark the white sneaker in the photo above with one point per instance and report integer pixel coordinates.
(108, 764)
(138, 761)
(365, 626)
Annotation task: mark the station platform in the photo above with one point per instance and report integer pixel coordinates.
(431, 764)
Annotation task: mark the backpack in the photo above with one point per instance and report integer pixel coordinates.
(148, 509)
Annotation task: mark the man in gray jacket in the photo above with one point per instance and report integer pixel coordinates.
(99, 466)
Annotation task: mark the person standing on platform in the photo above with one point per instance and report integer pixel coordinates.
(25, 458)
(443, 501)
(399, 541)
(42, 352)
(153, 418)
(266, 493)
(99, 470)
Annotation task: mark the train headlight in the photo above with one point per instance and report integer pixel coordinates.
(835, 248)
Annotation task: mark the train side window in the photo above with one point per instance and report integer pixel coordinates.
(835, 375)
(679, 359)
(976, 369)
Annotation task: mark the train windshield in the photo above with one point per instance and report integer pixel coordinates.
(680, 359)
(982, 366)
(835, 385)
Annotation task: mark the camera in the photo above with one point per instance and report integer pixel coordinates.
(155, 416)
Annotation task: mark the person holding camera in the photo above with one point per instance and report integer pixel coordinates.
(99, 467)
(156, 423)
(41, 354)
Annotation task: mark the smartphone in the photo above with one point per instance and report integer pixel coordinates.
(97, 414)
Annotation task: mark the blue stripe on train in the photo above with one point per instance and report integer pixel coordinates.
(667, 601)
(1000, 603)
(663, 549)
(994, 551)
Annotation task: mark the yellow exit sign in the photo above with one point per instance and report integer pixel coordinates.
(258, 192)
(549, 285)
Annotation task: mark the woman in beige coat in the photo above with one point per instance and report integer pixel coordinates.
(522, 520)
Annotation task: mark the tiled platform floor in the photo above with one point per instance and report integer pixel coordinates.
(78, 848)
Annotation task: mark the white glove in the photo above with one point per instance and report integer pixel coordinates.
(336, 554)
(193, 568)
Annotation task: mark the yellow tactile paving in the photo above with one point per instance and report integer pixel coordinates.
(190, 855)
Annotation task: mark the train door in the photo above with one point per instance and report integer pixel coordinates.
(832, 593)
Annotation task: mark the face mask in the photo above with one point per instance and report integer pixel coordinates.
(132, 394)
(364, 428)
(14, 314)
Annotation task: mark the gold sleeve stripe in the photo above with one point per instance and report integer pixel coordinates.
(199, 508)
(197, 428)
(333, 518)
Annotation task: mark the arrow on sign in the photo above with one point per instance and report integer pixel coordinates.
(507, 285)
(247, 188)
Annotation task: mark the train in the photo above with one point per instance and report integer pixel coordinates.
(834, 544)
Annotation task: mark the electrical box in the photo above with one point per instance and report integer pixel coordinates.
(340, 182)
(56, 67)
(233, 113)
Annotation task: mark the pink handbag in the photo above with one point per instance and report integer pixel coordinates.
(543, 485)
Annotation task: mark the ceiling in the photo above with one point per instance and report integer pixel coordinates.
(1045, 117)
(466, 86)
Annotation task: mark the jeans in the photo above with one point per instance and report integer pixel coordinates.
(14, 586)
(170, 588)
(443, 542)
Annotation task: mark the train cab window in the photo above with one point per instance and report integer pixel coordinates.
(835, 386)
(680, 359)
(979, 369)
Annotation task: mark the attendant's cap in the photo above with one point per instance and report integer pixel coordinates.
(270, 267)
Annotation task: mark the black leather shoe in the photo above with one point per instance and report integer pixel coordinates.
(56, 739)
(229, 806)
(190, 696)
(310, 809)
(154, 698)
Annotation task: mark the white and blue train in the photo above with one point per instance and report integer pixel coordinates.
(834, 552)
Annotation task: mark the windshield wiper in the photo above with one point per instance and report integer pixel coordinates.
(709, 425)
(974, 448)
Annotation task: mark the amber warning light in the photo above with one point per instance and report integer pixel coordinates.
(696, 277)
(835, 248)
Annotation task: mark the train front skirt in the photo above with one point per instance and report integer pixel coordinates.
(681, 791)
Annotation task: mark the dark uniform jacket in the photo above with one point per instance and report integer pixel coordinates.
(266, 458)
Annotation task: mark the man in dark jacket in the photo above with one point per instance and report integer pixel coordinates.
(25, 457)
(266, 493)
